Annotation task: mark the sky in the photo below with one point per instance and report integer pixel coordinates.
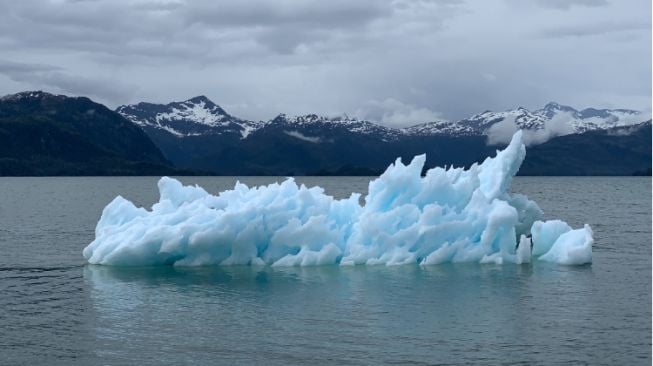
(396, 62)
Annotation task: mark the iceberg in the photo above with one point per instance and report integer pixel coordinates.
(448, 215)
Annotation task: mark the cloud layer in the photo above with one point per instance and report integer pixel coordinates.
(502, 132)
(395, 61)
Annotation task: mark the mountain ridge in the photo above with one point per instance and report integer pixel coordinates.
(313, 144)
(199, 115)
(197, 135)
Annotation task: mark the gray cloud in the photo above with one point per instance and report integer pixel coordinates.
(214, 29)
(597, 29)
(14, 68)
(53, 78)
(567, 4)
(396, 61)
(558, 4)
(394, 113)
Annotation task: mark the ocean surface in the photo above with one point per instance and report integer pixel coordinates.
(54, 309)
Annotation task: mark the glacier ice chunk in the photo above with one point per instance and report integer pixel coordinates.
(546, 233)
(448, 215)
(574, 247)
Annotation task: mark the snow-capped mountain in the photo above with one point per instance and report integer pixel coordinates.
(523, 118)
(321, 125)
(193, 117)
(588, 119)
(200, 116)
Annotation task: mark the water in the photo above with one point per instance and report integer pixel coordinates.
(56, 310)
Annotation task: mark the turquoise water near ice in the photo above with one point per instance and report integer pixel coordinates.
(54, 309)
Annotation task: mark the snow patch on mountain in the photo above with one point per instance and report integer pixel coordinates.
(301, 136)
(196, 112)
(439, 128)
(247, 130)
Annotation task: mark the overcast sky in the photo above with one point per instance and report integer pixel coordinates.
(397, 62)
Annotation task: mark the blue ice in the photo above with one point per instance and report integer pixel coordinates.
(449, 215)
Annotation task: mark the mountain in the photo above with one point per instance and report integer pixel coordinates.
(622, 150)
(193, 117)
(200, 116)
(46, 134)
(198, 134)
(589, 119)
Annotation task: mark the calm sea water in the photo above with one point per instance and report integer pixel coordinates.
(54, 309)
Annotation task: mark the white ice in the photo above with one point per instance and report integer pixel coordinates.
(449, 215)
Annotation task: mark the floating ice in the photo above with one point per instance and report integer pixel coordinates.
(449, 215)
(570, 247)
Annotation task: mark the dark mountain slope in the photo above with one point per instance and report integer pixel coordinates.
(279, 150)
(617, 151)
(45, 134)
